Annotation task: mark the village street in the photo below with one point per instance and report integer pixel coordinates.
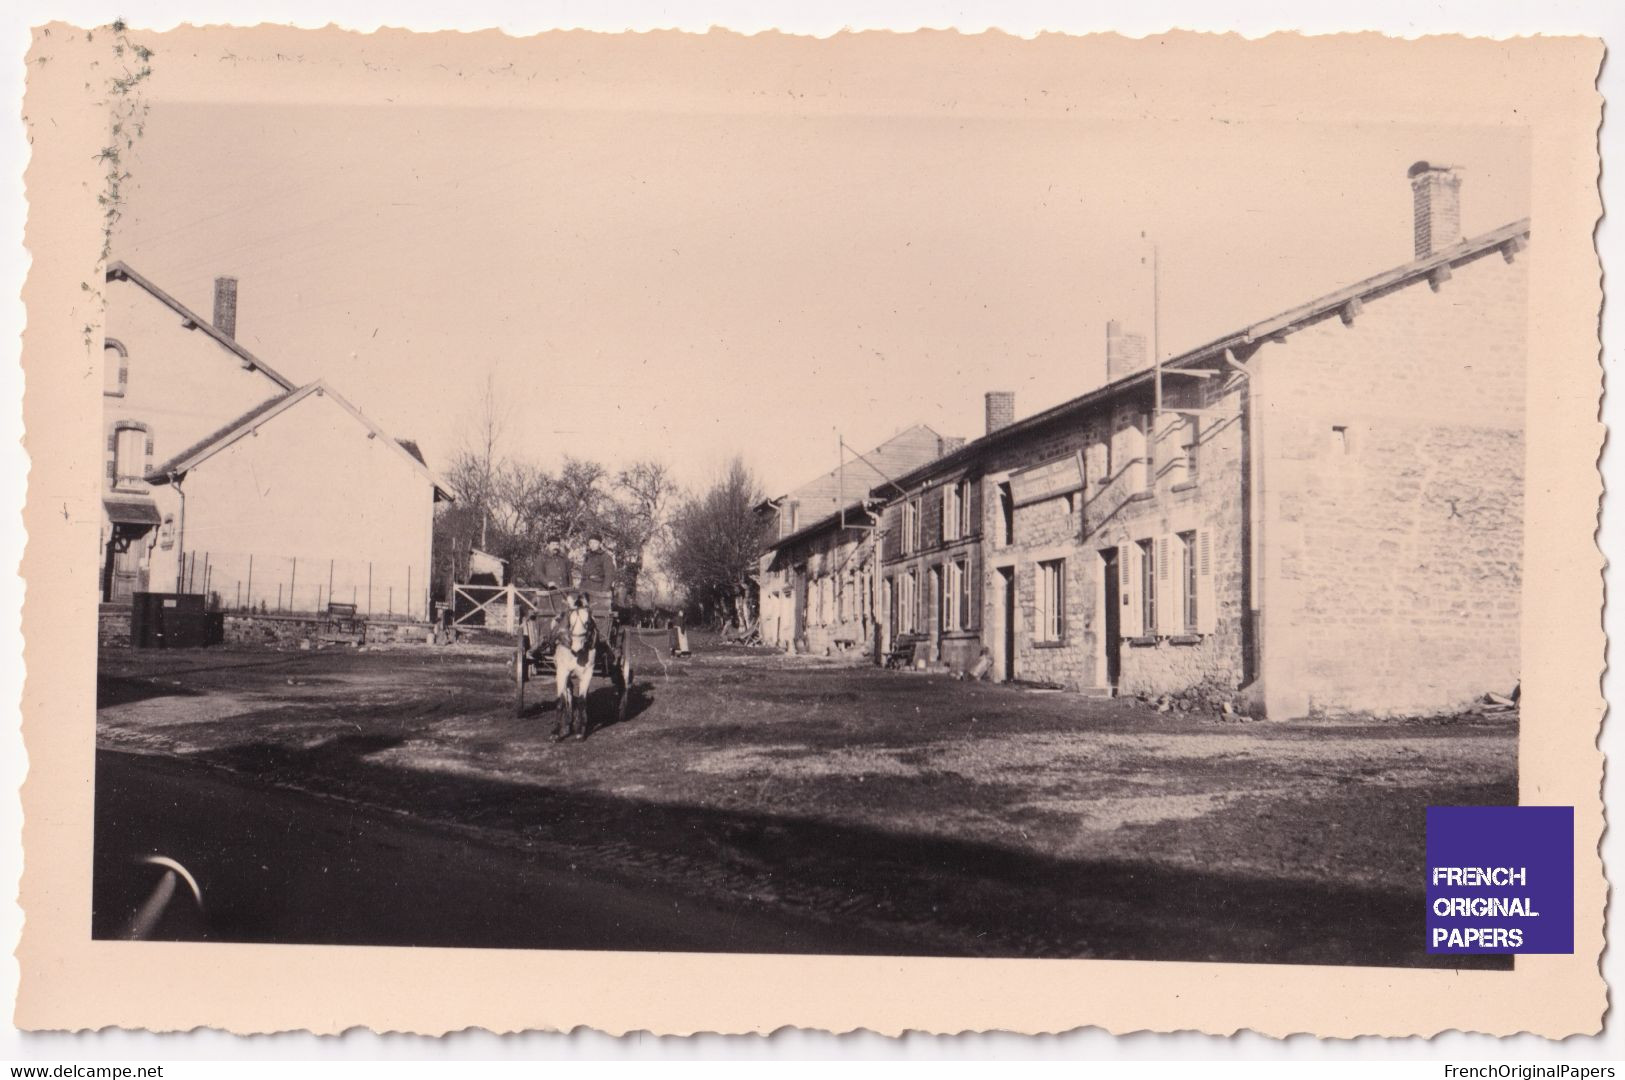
(759, 802)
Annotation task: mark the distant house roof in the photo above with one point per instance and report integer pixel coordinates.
(850, 482)
(207, 447)
(843, 491)
(1274, 328)
(120, 270)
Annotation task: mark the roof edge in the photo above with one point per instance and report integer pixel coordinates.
(1274, 327)
(118, 268)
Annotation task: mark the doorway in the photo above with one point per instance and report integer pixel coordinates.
(799, 616)
(123, 575)
(1007, 624)
(1112, 616)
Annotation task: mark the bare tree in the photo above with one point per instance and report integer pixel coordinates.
(716, 539)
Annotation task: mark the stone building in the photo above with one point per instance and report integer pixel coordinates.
(815, 581)
(1320, 513)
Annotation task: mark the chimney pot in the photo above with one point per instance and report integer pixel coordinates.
(225, 306)
(1436, 203)
(1001, 410)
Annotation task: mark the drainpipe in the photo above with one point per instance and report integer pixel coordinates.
(180, 534)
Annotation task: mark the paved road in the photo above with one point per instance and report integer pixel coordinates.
(282, 866)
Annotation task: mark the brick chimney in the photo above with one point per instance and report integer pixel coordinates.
(1001, 410)
(1436, 192)
(1125, 353)
(225, 306)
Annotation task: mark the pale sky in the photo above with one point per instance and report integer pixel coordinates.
(687, 285)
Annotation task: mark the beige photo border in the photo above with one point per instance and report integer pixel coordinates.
(68, 981)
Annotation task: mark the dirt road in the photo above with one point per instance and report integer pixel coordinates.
(284, 866)
(938, 817)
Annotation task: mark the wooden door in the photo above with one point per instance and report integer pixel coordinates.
(1113, 616)
(1007, 632)
(124, 573)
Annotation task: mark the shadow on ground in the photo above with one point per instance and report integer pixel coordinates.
(364, 877)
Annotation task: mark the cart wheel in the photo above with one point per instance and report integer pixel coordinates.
(519, 674)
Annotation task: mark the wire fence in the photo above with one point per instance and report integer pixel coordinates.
(291, 585)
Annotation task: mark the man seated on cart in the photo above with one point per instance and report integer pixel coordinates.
(556, 569)
(598, 569)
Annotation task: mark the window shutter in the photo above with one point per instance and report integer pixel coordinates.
(1206, 603)
(1166, 589)
(1128, 563)
(973, 566)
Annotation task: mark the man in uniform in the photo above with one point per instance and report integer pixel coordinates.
(555, 566)
(597, 567)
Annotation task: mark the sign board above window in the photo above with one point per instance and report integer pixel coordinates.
(1050, 480)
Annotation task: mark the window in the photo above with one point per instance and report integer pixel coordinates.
(1051, 600)
(115, 368)
(1148, 588)
(1188, 564)
(908, 603)
(1100, 458)
(166, 535)
(1340, 439)
(956, 518)
(1007, 515)
(792, 517)
(962, 598)
(1190, 446)
(911, 526)
(129, 457)
(955, 596)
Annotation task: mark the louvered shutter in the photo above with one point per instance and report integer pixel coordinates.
(1166, 589)
(1128, 566)
(1206, 601)
(974, 567)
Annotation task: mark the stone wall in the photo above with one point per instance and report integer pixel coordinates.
(1128, 499)
(113, 626)
(1394, 516)
(839, 616)
(290, 631)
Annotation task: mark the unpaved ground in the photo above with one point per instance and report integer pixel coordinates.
(955, 818)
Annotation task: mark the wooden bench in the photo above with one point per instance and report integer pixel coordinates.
(342, 619)
(902, 652)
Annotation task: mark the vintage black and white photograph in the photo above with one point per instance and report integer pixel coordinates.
(803, 526)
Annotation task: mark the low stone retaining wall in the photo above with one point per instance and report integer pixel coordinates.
(113, 626)
(274, 631)
(294, 631)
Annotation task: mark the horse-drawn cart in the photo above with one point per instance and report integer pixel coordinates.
(535, 651)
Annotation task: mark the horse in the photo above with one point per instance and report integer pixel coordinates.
(575, 645)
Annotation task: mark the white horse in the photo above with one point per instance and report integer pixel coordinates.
(575, 645)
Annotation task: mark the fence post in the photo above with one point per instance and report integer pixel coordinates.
(279, 598)
(510, 607)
